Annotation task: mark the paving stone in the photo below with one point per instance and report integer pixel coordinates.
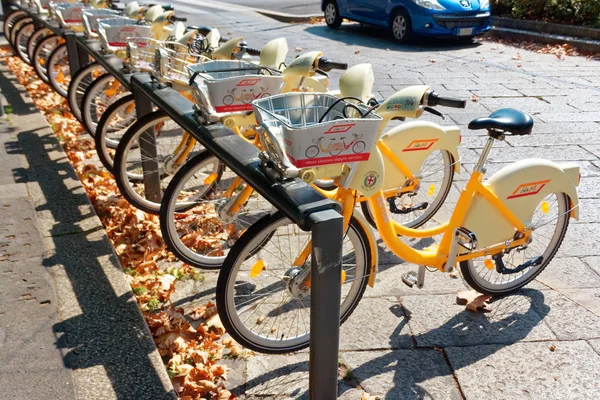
(190, 294)
(538, 138)
(580, 241)
(595, 345)
(439, 321)
(377, 323)
(593, 263)
(567, 319)
(277, 375)
(569, 116)
(564, 153)
(403, 374)
(569, 273)
(535, 371)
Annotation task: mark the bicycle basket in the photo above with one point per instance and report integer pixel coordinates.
(113, 32)
(171, 60)
(140, 53)
(319, 129)
(91, 18)
(70, 15)
(230, 86)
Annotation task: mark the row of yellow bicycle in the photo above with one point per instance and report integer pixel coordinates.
(501, 232)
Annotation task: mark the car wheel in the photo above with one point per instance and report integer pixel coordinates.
(332, 15)
(401, 26)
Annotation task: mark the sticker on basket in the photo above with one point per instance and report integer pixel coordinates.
(117, 35)
(72, 15)
(339, 128)
(238, 93)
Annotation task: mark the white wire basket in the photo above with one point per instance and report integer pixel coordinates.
(172, 60)
(92, 17)
(227, 86)
(317, 129)
(114, 32)
(140, 53)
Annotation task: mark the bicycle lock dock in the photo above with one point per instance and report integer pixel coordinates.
(310, 210)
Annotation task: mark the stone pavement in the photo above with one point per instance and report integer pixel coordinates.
(69, 324)
(402, 343)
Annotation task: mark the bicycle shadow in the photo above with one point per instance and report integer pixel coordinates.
(376, 37)
(414, 369)
(102, 330)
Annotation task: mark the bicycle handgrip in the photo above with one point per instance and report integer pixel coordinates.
(180, 19)
(435, 99)
(327, 65)
(253, 52)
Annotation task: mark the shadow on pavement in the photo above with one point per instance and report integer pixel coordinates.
(512, 319)
(102, 325)
(379, 38)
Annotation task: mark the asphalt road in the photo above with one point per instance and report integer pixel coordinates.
(297, 7)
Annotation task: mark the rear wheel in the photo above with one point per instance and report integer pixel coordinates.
(549, 222)
(263, 298)
(332, 14)
(59, 72)
(401, 26)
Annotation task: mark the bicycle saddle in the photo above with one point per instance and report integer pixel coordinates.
(506, 120)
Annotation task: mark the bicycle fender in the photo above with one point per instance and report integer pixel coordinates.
(372, 246)
(412, 142)
(273, 53)
(225, 51)
(521, 186)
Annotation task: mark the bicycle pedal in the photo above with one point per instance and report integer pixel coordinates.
(410, 278)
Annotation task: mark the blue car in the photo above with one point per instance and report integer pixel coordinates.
(405, 18)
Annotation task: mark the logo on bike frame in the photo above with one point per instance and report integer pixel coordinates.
(248, 82)
(340, 128)
(528, 189)
(417, 145)
(370, 179)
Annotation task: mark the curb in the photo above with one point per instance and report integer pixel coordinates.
(509, 33)
(547, 27)
(101, 335)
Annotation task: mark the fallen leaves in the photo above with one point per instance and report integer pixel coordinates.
(559, 50)
(475, 98)
(191, 353)
(474, 300)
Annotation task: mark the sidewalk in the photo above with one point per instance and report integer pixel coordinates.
(70, 327)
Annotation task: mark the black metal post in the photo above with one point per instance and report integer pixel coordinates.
(325, 295)
(72, 52)
(147, 143)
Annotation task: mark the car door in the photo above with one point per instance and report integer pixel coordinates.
(368, 10)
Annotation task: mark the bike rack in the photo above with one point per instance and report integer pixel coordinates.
(310, 210)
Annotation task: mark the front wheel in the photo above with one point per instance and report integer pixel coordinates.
(549, 223)
(34, 39)
(10, 19)
(115, 121)
(21, 39)
(81, 81)
(59, 72)
(401, 26)
(262, 297)
(146, 155)
(98, 96)
(332, 15)
(194, 215)
(41, 55)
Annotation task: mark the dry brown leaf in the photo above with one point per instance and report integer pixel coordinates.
(552, 347)
(298, 49)
(432, 60)
(475, 98)
(367, 396)
(454, 274)
(473, 300)
(357, 52)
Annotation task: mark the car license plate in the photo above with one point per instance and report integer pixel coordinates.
(465, 31)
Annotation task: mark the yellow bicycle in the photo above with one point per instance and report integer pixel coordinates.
(503, 232)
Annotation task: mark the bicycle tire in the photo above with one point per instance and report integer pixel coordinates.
(21, 39)
(15, 29)
(83, 78)
(59, 59)
(41, 55)
(482, 284)
(230, 283)
(108, 135)
(128, 181)
(9, 21)
(34, 39)
(190, 211)
(95, 101)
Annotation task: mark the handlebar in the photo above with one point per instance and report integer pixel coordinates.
(434, 99)
(253, 52)
(327, 65)
(175, 19)
(166, 7)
